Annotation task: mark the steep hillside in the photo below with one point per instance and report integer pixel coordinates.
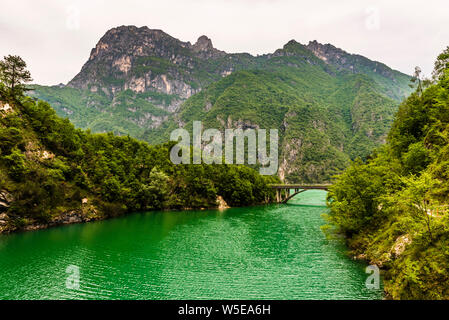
(52, 173)
(393, 83)
(330, 106)
(394, 208)
(325, 119)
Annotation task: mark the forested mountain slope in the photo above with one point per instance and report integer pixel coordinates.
(330, 106)
(394, 208)
(52, 173)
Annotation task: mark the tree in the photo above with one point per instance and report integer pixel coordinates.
(2, 91)
(157, 188)
(416, 199)
(441, 64)
(417, 77)
(14, 75)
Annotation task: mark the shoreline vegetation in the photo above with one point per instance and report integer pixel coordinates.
(52, 173)
(393, 209)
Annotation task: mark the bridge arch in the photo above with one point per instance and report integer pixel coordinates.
(283, 197)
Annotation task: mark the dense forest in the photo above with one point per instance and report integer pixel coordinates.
(52, 173)
(394, 208)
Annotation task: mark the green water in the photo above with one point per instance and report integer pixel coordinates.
(272, 252)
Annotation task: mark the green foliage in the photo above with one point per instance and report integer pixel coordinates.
(324, 120)
(326, 115)
(417, 158)
(416, 200)
(15, 162)
(9, 138)
(393, 208)
(441, 65)
(13, 75)
(48, 166)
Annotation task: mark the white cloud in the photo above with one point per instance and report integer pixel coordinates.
(55, 36)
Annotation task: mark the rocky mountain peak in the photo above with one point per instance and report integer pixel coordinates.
(352, 62)
(132, 40)
(203, 44)
(150, 61)
(292, 42)
(324, 51)
(294, 48)
(203, 48)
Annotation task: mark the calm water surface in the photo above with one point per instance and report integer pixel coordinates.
(272, 252)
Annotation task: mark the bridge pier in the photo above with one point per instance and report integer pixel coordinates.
(281, 196)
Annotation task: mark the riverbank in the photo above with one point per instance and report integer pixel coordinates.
(87, 213)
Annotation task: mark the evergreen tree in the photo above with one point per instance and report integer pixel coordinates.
(13, 75)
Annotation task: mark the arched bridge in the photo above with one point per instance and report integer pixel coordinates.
(283, 190)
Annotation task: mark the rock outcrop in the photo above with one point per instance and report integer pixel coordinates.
(5, 108)
(400, 245)
(142, 59)
(5, 200)
(222, 203)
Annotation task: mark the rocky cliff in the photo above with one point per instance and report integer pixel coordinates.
(142, 60)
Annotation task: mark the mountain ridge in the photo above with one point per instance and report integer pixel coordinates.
(155, 42)
(144, 82)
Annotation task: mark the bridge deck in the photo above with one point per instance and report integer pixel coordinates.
(301, 186)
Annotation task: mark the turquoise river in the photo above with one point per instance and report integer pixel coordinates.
(266, 252)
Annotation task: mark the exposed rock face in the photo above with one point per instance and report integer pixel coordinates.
(3, 219)
(203, 44)
(5, 200)
(204, 48)
(123, 64)
(45, 155)
(5, 108)
(222, 203)
(400, 245)
(351, 62)
(141, 59)
(86, 214)
(69, 218)
(163, 84)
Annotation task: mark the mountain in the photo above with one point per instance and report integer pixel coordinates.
(392, 82)
(330, 106)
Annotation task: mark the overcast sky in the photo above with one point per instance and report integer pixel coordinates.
(55, 36)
